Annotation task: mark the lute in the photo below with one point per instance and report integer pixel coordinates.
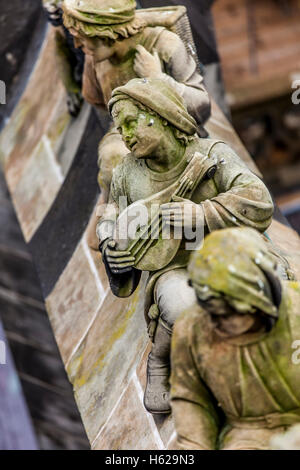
(139, 228)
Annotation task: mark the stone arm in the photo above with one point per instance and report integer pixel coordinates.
(91, 91)
(242, 198)
(233, 197)
(194, 413)
(183, 75)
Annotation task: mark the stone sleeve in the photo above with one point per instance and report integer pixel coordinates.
(183, 75)
(195, 417)
(91, 90)
(242, 199)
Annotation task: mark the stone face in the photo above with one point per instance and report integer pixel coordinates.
(107, 358)
(129, 427)
(74, 301)
(37, 188)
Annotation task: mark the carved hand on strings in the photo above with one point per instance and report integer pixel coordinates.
(182, 213)
(119, 261)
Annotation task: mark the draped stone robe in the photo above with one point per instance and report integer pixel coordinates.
(252, 379)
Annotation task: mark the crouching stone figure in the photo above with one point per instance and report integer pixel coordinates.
(234, 384)
(199, 183)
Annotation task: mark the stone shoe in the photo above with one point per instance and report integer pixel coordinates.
(157, 393)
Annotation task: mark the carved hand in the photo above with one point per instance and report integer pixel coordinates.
(147, 65)
(182, 214)
(118, 261)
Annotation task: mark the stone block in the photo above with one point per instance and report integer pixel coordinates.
(37, 188)
(128, 428)
(32, 116)
(103, 364)
(74, 302)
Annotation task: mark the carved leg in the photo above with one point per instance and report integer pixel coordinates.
(172, 296)
(156, 399)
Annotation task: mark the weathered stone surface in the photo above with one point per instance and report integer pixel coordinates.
(71, 210)
(37, 188)
(97, 260)
(22, 25)
(142, 367)
(59, 122)
(289, 243)
(30, 119)
(66, 138)
(74, 302)
(165, 427)
(32, 343)
(129, 427)
(107, 358)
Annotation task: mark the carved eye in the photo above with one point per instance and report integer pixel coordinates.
(151, 122)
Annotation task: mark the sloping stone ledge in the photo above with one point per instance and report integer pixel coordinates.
(102, 339)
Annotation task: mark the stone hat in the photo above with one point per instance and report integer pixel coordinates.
(103, 18)
(161, 98)
(237, 264)
(101, 11)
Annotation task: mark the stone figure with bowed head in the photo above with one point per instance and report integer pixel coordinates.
(234, 384)
(122, 43)
(69, 60)
(198, 184)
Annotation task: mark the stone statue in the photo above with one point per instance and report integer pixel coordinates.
(70, 60)
(122, 43)
(234, 383)
(208, 182)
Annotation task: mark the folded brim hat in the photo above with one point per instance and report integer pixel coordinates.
(161, 98)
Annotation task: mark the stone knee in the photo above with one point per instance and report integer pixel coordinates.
(173, 296)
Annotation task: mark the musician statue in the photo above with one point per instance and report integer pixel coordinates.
(69, 60)
(121, 43)
(200, 183)
(235, 381)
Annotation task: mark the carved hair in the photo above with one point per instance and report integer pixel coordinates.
(113, 32)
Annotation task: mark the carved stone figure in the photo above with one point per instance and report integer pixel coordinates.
(188, 175)
(70, 60)
(122, 43)
(234, 384)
